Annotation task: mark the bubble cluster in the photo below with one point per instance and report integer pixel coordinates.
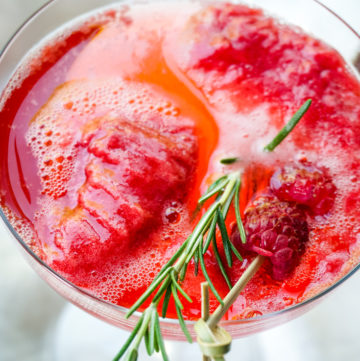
(24, 229)
(75, 110)
(54, 162)
(128, 276)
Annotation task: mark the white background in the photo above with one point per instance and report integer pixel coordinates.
(30, 311)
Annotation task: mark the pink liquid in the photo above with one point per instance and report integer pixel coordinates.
(126, 122)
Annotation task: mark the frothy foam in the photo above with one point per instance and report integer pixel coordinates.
(79, 104)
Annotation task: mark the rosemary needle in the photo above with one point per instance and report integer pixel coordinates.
(229, 160)
(284, 132)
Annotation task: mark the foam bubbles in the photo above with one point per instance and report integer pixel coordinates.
(24, 229)
(129, 275)
(75, 109)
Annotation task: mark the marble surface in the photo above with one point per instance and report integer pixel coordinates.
(38, 325)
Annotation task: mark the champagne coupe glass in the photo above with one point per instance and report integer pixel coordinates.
(55, 14)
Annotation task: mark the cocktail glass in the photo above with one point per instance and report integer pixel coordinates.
(332, 29)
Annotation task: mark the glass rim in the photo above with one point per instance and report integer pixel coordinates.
(124, 310)
(21, 27)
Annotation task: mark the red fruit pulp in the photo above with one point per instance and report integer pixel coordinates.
(124, 142)
(306, 185)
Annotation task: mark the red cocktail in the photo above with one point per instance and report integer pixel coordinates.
(101, 126)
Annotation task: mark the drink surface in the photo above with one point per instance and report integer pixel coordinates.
(119, 127)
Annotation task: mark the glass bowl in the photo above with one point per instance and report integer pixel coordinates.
(53, 15)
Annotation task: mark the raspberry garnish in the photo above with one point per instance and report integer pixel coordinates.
(304, 184)
(277, 230)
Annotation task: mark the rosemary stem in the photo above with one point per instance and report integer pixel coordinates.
(143, 328)
(161, 290)
(172, 260)
(201, 225)
(235, 291)
(227, 192)
(180, 263)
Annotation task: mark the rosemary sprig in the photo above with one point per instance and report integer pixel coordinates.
(167, 283)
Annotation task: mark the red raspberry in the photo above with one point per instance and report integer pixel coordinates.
(304, 184)
(277, 230)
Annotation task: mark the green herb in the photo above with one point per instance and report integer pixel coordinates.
(230, 160)
(167, 284)
(284, 132)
